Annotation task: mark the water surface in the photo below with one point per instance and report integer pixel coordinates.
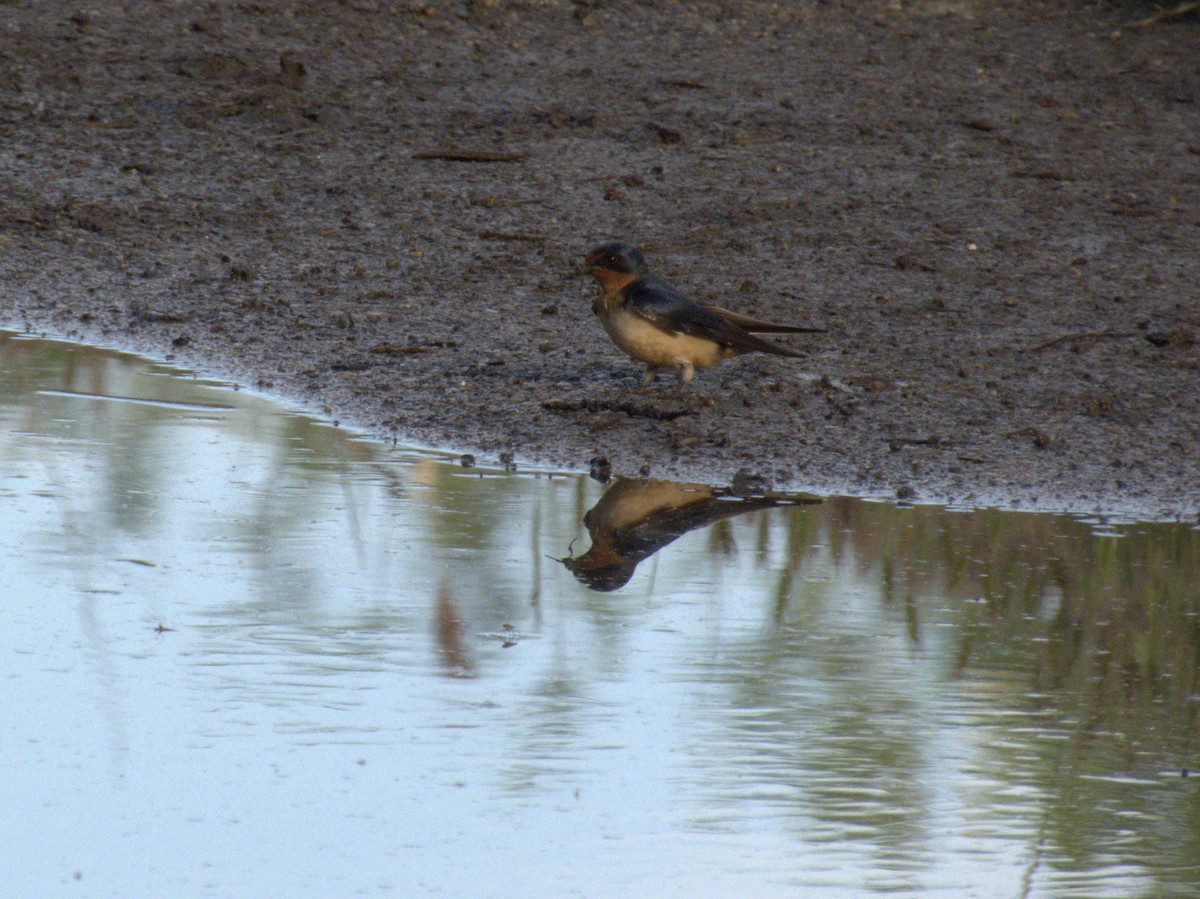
(247, 653)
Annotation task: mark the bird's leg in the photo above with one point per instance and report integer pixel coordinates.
(651, 371)
(687, 371)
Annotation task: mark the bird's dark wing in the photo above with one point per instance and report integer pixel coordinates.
(655, 301)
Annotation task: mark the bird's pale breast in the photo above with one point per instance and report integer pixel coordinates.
(650, 344)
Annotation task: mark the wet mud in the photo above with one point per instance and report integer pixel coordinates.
(379, 209)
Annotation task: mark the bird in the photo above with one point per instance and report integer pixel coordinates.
(655, 324)
(636, 517)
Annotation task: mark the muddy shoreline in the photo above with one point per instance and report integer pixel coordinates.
(378, 210)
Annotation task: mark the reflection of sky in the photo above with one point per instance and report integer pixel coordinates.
(816, 697)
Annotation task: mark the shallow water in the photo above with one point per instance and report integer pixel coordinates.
(247, 653)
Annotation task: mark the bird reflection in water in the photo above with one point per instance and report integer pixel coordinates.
(636, 517)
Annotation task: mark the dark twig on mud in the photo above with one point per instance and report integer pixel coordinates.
(1067, 338)
(468, 156)
(392, 349)
(388, 349)
(896, 443)
(1167, 14)
(686, 83)
(633, 410)
(512, 235)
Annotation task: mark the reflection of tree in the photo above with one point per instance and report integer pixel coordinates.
(68, 379)
(1074, 654)
(1109, 620)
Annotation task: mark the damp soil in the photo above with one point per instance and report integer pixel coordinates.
(379, 209)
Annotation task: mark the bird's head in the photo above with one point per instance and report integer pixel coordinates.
(614, 264)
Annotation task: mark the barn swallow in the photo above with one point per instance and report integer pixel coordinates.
(637, 517)
(656, 325)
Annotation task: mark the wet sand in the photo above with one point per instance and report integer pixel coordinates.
(379, 210)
